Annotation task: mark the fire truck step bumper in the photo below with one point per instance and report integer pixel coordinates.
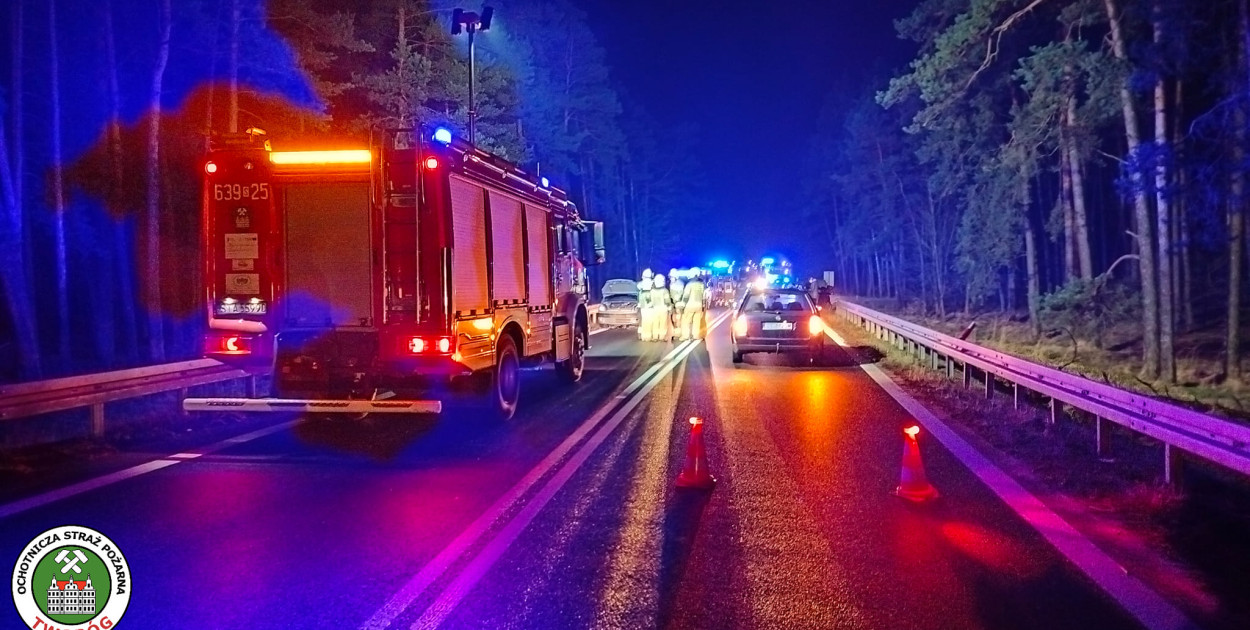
(312, 406)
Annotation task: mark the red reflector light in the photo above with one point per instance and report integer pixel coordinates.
(210, 167)
(431, 163)
(444, 345)
(416, 345)
(233, 344)
(912, 431)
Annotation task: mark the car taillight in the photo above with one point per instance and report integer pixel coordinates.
(740, 327)
(815, 326)
(437, 345)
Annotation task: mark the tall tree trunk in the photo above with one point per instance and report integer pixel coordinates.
(13, 283)
(234, 65)
(18, 108)
(1033, 270)
(1184, 275)
(1070, 267)
(104, 292)
(1141, 207)
(124, 258)
(15, 241)
(1236, 201)
(1163, 217)
(1009, 296)
(58, 193)
(1236, 245)
(152, 258)
(1080, 217)
(939, 273)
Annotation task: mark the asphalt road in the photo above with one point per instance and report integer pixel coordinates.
(566, 516)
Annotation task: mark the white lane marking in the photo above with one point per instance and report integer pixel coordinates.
(1139, 600)
(599, 330)
(51, 496)
(413, 589)
(482, 563)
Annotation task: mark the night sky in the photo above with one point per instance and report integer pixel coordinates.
(753, 76)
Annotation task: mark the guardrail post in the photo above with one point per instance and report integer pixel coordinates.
(989, 384)
(1053, 415)
(967, 375)
(1102, 434)
(1173, 465)
(950, 367)
(182, 395)
(1015, 396)
(97, 420)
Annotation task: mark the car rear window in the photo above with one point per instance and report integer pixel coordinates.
(776, 302)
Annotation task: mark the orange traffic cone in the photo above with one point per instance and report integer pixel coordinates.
(696, 475)
(913, 485)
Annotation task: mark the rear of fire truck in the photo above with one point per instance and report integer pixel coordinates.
(383, 280)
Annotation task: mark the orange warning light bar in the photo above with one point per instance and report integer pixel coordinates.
(346, 156)
(912, 431)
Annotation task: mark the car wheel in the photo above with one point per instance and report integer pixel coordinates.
(505, 389)
(737, 358)
(571, 370)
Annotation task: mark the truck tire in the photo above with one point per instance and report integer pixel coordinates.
(572, 369)
(737, 357)
(505, 382)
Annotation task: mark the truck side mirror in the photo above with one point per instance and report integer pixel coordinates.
(591, 244)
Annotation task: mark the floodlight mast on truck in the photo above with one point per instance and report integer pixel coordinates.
(383, 280)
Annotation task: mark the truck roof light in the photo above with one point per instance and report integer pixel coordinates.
(431, 163)
(347, 156)
(546, 184)
(443, 134)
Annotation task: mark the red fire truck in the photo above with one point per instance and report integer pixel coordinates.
(385, 279)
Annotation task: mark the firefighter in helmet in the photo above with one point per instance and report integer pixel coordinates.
(662, 307)
(692, 298)
(645, 308)
(675, 290)
(645, 305)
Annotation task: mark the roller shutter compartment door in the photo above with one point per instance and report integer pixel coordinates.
(507, 242)
(469, 281)
(537, 235)
(329, 267)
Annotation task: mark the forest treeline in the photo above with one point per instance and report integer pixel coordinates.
(108, 107)
(1081, 159)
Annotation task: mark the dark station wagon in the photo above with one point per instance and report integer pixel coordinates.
(778, 321)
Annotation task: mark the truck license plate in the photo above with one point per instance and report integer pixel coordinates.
(778, 326)
(242, 309)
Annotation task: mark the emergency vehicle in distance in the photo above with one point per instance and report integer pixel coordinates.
(385, 279)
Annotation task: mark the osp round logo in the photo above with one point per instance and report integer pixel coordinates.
(71, 578)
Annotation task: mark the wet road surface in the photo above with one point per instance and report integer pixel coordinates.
(566, 516)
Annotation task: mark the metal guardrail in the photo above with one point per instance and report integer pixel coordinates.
(22, 400)
(1180, 429)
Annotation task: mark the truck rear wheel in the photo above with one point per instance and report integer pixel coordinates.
(571, 370)
(505, 384)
